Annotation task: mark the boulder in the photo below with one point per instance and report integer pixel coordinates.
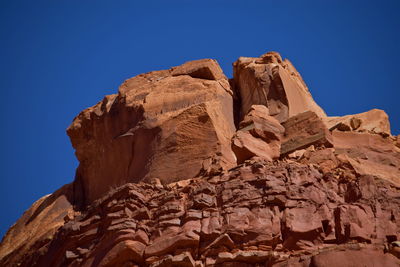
(259, 135)
(304, 130)
(274, 83)
(157, 120)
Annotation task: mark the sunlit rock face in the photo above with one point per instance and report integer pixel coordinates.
(172, 125)
(166, 178)
(275, 83)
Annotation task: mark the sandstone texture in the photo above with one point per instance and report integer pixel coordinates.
(259, 135)
(183, 167)
(303, 130)
(275, 83)
(157, 121)
(373, 121)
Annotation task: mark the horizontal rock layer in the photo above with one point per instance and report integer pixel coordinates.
(259, 213)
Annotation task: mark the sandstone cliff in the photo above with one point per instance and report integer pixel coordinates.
(183, 167)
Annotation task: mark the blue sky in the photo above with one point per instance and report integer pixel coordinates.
(59, 57)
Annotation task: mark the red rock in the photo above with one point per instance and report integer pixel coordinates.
(38, 224)
(373, 121)
(269, 81)
(304, 130)
(183, 260)
(169, 244)
(303, 228)
(159, 185)
(211, 226)
(259, 135)
(369, 154)
(222, 240)
(354, 258)
(324, 158)
(156, 121)
(273, 206)
(397, 141)
(123, 252)
(354, 222)
(250, 257)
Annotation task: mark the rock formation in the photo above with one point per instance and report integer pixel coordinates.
(166, 178)
(275, 83)
(157, 121)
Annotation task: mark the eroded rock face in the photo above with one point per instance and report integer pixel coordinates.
(275, 83)
(260, 213)
(373, 121)
(37, 226)
(165, 179)
(369, 154)
(259, 135)
(303, 130)
(171, 125)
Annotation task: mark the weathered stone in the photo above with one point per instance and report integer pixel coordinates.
(259, 135)
(38, 224)
(124, 252)
(167, 244)
(354, 258)
(250, 257)
(182, 260)
(303, 227)
(274, 83)
(373, 121)
(157, 120)
(368, 154)
(316, 205)
(354, 222)
(304, 130)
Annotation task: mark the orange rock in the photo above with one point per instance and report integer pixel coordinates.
(373, 121)
(269, 81)
(158, 120)
(155, 185)
(354, 258)
(37, 225)
(369, 154)
(259, 211)
(304, 130)
(259, 135)
(123, 252)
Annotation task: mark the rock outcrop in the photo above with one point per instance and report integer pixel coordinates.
(373, 121)
(303, 130)
(259, 135)
(166, 179)
(157, 121)
(275, 83)
(259, 213)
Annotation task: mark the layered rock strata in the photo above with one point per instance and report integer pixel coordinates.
(260, 213)
(167, 179)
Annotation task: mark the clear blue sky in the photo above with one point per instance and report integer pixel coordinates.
(59, 57)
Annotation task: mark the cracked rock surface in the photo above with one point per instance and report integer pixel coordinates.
(183, 167)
